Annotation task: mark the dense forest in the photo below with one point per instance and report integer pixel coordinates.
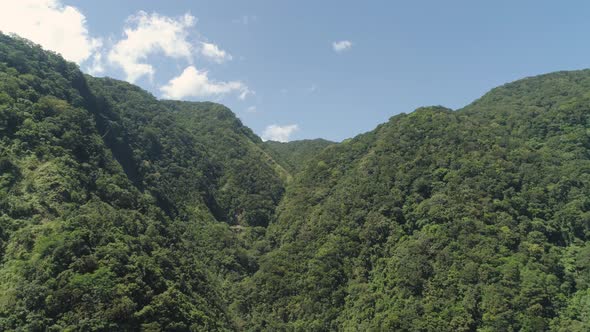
(122, 212)
(295, 155)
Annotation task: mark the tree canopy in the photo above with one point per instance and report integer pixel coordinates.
(119, 211)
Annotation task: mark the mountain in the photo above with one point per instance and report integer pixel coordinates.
(295, 155)
(119, 211)
(116, 208)
(194, 158)
(441, 220)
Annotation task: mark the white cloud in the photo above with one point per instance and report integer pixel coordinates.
(279, 133)
(195, 83)
(245, 93)
(97, 66)
(146, 34)
(251, 109)
(63, 29)
(51, 24)
(341, 46)
(214, 53)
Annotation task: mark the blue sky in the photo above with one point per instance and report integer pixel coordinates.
(274, 63)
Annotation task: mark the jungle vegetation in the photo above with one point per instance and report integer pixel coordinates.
(119, 211)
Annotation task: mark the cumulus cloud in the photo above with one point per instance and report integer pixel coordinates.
(194, 83)
(341, 46)
(146, 34)
(214, 53)
(279, 133)
(63, 29)
(50, 24)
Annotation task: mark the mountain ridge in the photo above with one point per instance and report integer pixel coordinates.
(119, 211)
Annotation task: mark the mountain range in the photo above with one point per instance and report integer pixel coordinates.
(123, 212)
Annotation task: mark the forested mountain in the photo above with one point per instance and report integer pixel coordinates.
(295, 155)
(116, 207)
(119, 211)
(194, 158)
(440, 220)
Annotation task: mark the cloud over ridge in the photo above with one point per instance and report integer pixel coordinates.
(146, 34)
(279, 133)
(50, 24)
(194, 83)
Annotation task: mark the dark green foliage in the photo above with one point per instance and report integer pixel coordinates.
(122, 212)
(250, 183)
(440, 220)
(108, 204)
(193, 157)
(295, 155)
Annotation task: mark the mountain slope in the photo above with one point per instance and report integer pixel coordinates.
(191, 156)
(441, 220)
(294, 155)
(111, 201)
(119, 211)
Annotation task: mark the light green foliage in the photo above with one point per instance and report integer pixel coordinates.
(122, 212)
(440, 220)
(295, 155)
(106, 214)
